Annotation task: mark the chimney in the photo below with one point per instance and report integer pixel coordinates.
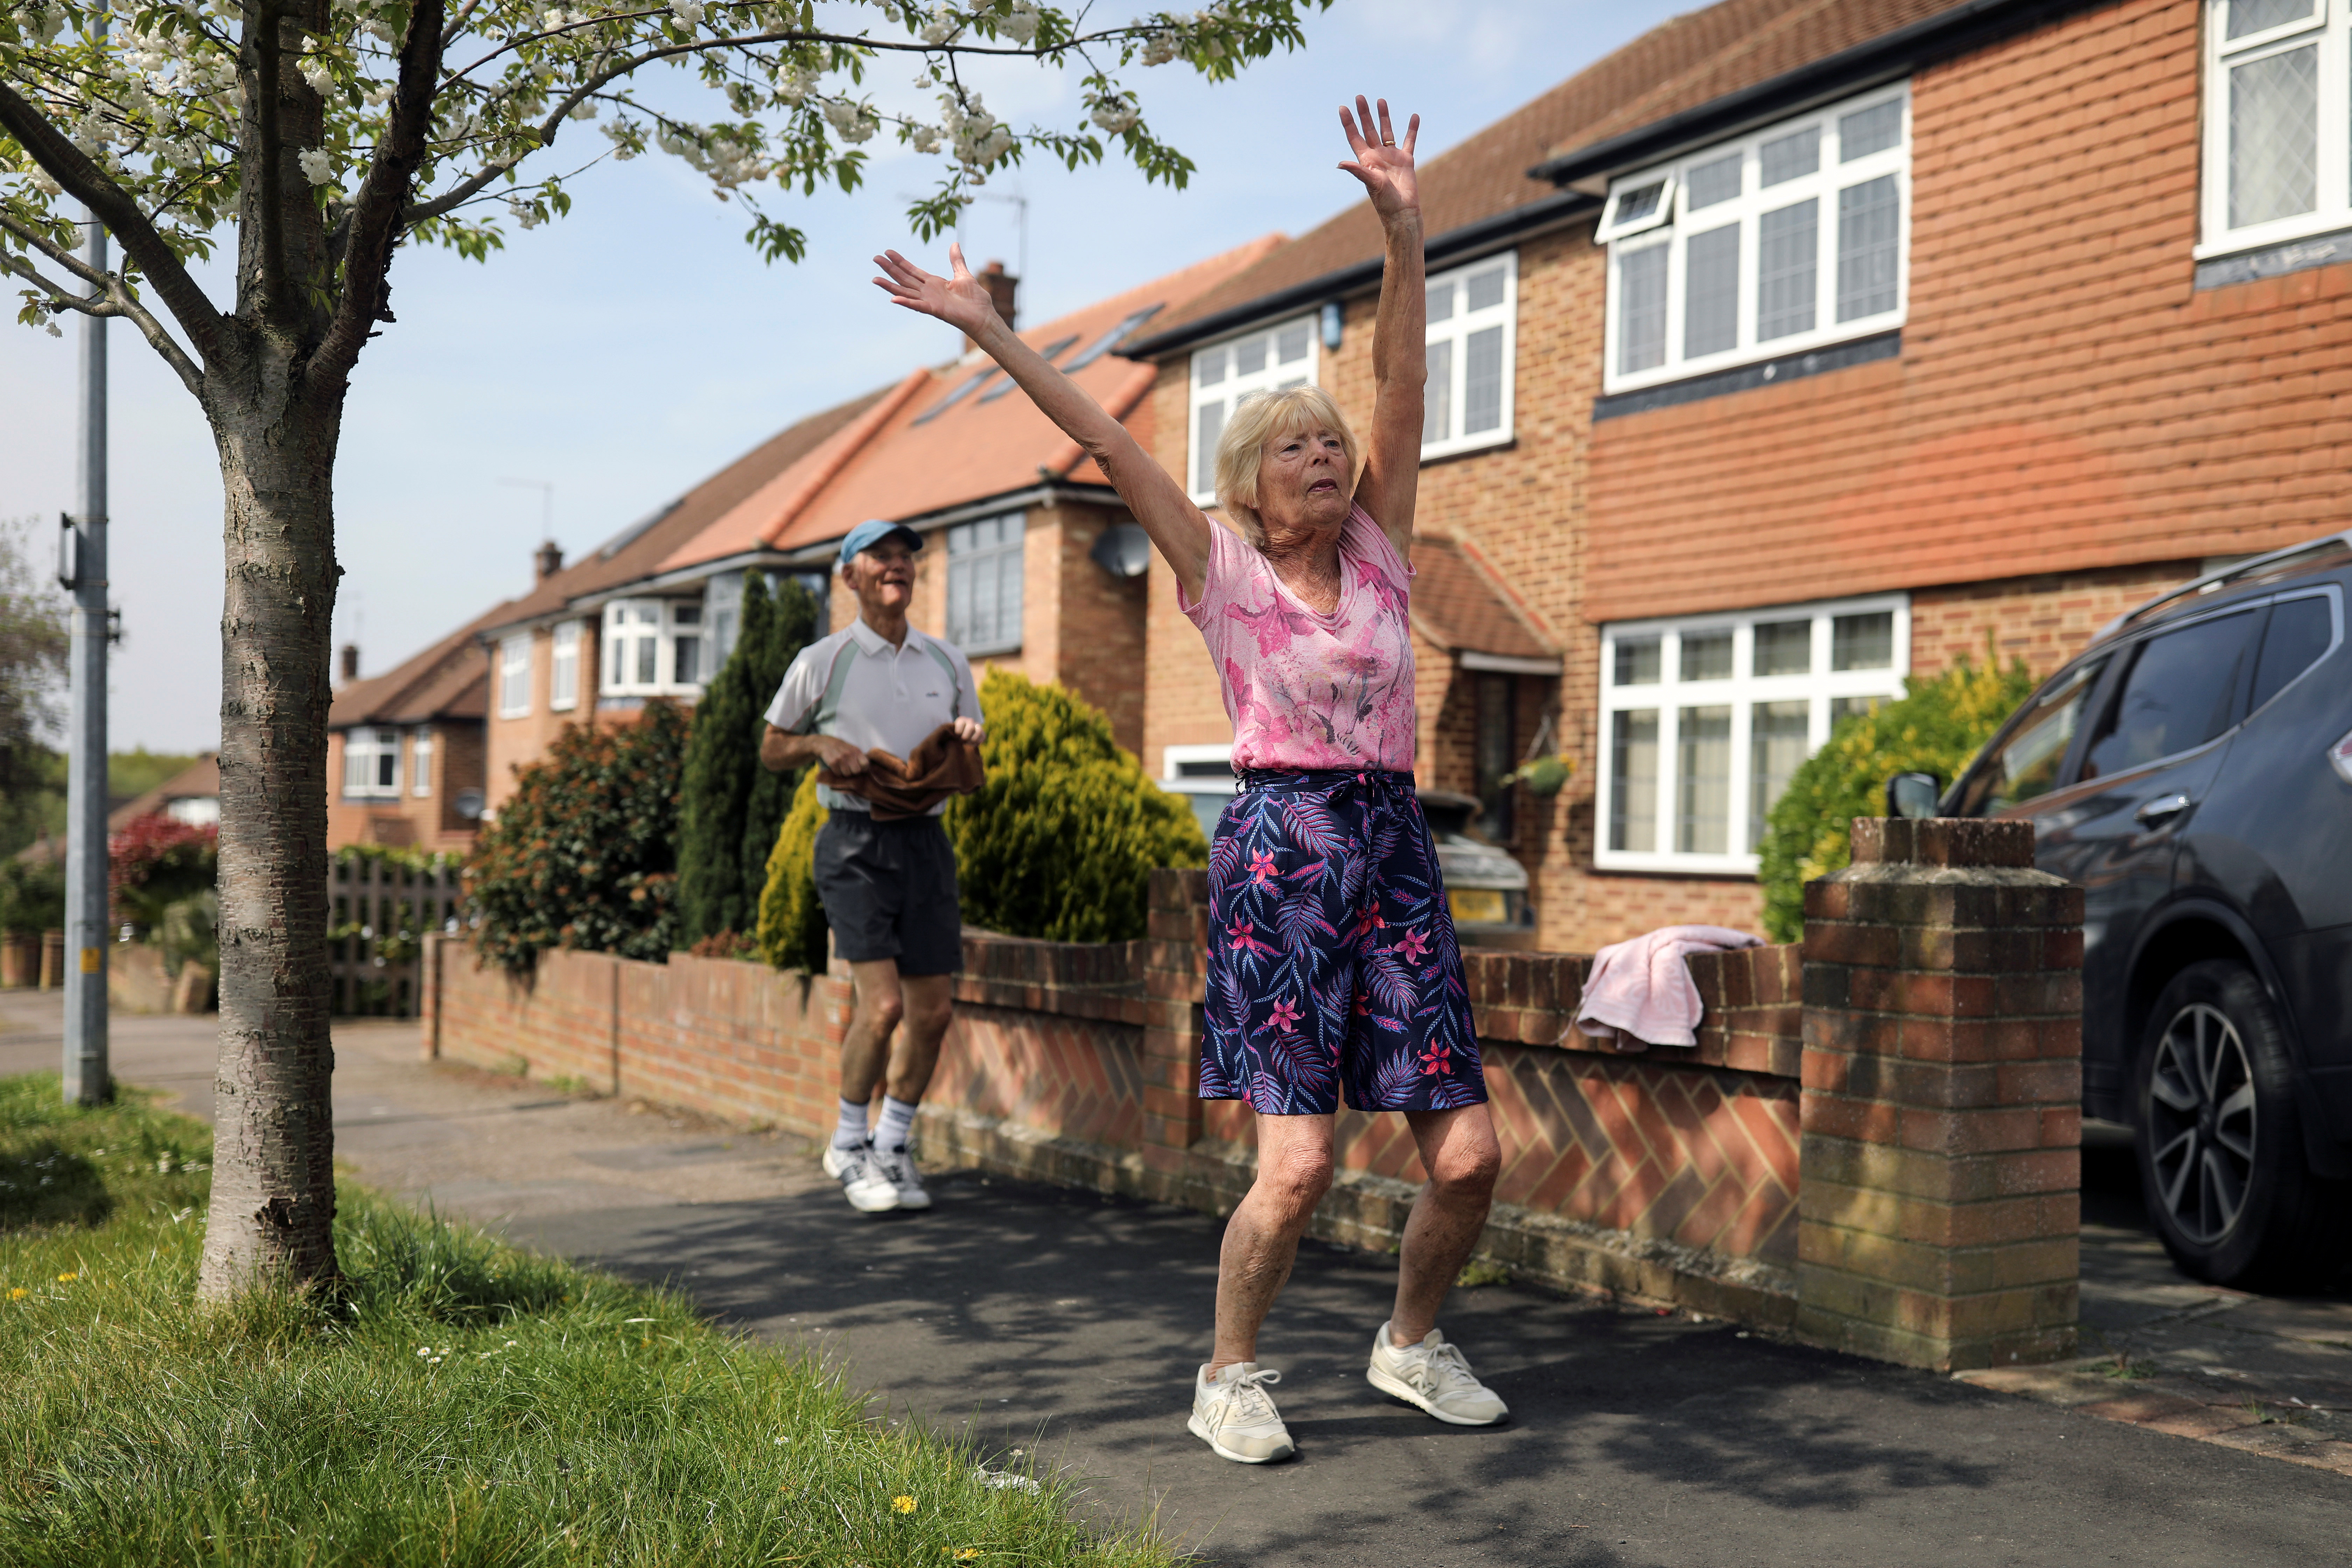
(550, 558)
(1001, 286)
(351, 662)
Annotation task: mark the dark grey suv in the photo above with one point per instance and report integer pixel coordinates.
(2192, 771)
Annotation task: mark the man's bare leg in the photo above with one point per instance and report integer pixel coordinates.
(1294, 1172)
(1459, 1151)
(929, 1007)
(877, 1002)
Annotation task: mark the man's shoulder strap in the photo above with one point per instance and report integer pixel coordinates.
(820, 717)
(955, 677)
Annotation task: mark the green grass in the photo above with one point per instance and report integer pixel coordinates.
(460, 1402)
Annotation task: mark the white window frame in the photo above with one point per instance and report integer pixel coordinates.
(366, 747)
(2330, 25)
(962, 560)
(1456, 330)
(1741, 692)
(1755, 199)
(626, 624)
(420, 761)
(564, 667)
(1231, 385)
(514, 676)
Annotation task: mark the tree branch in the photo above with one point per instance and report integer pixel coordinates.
(87, 184)
(375, 218)
(113, 299)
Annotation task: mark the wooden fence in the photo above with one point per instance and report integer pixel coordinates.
(381, 911)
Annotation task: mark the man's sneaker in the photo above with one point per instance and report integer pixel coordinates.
(863, 1181)
(898, 1166)
(1235, 1415)
(1433, 1376)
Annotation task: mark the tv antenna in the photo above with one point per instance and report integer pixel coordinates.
(546, 489)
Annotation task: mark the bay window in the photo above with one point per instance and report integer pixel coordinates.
(1223, 375)
(652, 648)
(1704, 720)
(2278, 121)
(1785, 241)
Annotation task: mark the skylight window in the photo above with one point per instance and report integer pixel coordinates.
(993, 392)
(1111, 339)
(957, 396)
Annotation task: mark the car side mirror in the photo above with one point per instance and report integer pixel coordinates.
(1913, 794)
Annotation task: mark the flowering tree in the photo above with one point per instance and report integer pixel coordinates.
(321, 135)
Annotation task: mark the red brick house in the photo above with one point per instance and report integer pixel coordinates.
(1837, 336)
(405, 751)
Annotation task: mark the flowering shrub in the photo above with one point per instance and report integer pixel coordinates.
(154, 862)
(584, 853)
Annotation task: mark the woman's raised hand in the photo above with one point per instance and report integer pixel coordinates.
(1384, 164)
(959, 300)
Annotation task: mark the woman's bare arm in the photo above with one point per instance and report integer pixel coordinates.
(1179, 528)
(1390, 483)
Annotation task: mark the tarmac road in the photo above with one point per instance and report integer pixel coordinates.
(1068, 1326)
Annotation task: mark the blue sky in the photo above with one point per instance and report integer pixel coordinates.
(627, 350)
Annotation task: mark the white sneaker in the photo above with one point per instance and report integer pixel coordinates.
(898, 1165)
(863, 1181)
(1235, 1416)
(1433, 1376)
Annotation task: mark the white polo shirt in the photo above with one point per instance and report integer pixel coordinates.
(856, 687)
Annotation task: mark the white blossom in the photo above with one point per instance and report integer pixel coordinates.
(524, 213)
(382, 32)
(378, 96)
(1116, 115)
(1160, 49)
(853, 122)
(318, 165)
(1021, 26)
(925, 138)
(941, 27)
(322, 79)
(688, 11)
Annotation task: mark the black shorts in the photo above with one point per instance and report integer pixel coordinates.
(889, 891)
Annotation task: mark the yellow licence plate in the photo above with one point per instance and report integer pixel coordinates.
(1483, 906)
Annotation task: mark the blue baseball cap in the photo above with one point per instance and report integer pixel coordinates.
(873, 531)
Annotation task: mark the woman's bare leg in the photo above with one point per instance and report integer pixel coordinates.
(1459, 1151)
(1294, 1172)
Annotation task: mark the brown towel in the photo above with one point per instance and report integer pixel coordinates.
(943, 765)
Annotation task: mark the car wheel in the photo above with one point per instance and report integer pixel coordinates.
(2220, 1146)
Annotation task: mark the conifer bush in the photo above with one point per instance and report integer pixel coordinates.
(584, 853)
(730, 806)
(1937, 727)
(791, 921)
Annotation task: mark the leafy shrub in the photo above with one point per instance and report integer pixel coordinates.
(32, 895)
(156, 862)
(1061, 841)
(1936, 727)
(584, 853)
(731, 807)
(792, 919)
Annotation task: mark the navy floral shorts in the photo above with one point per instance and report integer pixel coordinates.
(1332, 960)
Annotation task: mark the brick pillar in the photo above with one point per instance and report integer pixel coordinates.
(1939, 1205)
(1176, 967)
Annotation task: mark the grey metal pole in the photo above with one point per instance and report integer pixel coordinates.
(88, 933)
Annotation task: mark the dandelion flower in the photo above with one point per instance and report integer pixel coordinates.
(902, 1505)
(967, 1555)
(68, 1278)
(18, 1293)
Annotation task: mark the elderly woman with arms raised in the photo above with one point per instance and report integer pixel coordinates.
(1333, 965)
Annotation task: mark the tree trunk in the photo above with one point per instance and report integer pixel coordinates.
(273, 1195)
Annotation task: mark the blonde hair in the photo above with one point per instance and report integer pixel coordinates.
(1262, 417)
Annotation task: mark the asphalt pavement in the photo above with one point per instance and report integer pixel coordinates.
(1068, 1326)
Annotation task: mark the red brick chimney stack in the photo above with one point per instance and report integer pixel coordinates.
(1002, 288)
(351, 662)
(550, 560)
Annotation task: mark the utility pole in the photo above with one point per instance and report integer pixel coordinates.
(87, 934)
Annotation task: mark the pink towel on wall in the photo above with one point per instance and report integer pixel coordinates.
(1643, 988)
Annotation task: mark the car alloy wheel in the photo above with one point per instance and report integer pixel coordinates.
(2202, 1127)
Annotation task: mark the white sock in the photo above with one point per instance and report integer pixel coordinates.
(897, 1123)
(850, 1131)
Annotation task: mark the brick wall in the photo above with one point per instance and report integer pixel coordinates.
(2043, 620)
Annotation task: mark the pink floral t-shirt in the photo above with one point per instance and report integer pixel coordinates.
(1305, 690)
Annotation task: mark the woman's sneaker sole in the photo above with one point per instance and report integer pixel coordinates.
(1200, 1429)
(1401, 1390)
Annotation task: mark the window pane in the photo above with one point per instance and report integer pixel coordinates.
(647, 648)
(1482, 381)
(565, 685)
(1785, 286)
(1776, 746)
(1844, 707)
(688, 660)
(2299, 633)
(985, 583)
(1703, 798)
(387, 767)
(1868, 131)
(1290, 344)
(2274, 137)
(1706, 655)
(2249, 17)
(1641, 310)
(1633, 781)
(1438, 397)
(1868, 219)
(1786, 157)
(2177, 696)
(1249, 356)
(1484, 291)
(1708, 183)
(1497, 753)
(1863, 642)
(1784, 648)
(686, 614)
(355, 762)
(1204, 446)
(960, 603)
(1441, 300)
(2025, 764)
(1711, 292)
(1209, 366)
(1637, 661)
(1008, 603)
(1639, 203)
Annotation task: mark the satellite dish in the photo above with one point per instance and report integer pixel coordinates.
(1124, 550)
(470, 804)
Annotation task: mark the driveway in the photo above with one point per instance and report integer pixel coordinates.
(1068, 1326)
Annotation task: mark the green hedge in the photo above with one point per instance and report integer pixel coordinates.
(791, 921)
(1937, 727)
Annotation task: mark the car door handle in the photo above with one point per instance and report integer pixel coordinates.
(2164, 808)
